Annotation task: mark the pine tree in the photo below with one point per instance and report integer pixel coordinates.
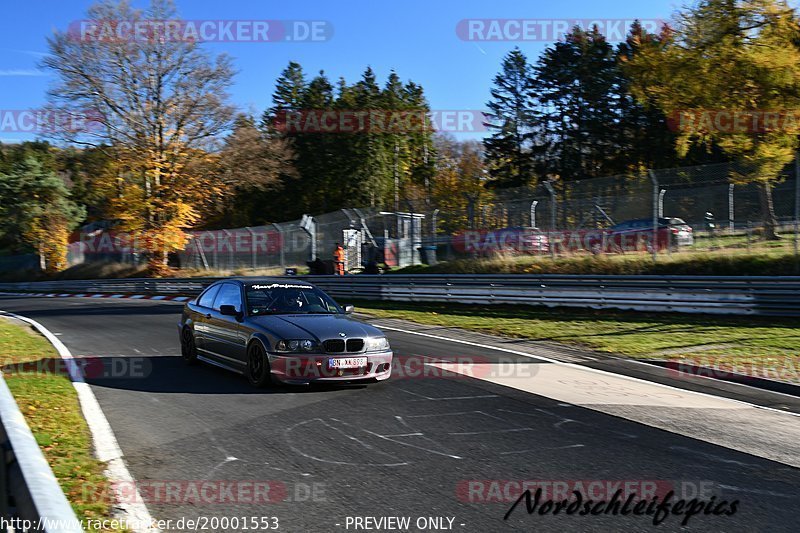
(577, 88)
(288, 94)
(511, 119)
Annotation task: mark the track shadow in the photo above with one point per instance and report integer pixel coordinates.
(162, 374)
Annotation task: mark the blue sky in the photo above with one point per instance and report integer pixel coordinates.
(416, 38)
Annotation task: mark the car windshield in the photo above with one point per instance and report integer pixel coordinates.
(289, 299)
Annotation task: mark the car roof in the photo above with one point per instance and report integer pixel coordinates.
(288, 280)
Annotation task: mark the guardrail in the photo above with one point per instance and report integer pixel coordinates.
(776, 296)
(30, 496)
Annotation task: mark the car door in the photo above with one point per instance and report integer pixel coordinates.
(224, 338)
(205, 304)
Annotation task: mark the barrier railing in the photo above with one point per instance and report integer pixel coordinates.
(777, 296)
(30, 496)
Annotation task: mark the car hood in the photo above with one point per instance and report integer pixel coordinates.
(319, 327)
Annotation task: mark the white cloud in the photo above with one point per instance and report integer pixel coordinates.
(33, 53)
(22, 72)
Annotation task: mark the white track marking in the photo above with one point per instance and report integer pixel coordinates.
(105, 443)
(580, 367)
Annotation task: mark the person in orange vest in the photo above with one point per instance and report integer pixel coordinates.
(338, 260)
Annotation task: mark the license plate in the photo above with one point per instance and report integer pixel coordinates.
(352, 362)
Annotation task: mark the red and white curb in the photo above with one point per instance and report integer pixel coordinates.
(101, 295)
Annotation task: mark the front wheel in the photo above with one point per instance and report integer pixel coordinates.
(188, 346)
(258, 371)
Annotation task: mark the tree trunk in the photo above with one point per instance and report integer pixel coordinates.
(768, 212)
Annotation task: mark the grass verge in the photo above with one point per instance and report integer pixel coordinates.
(682, 264)
(767, 347)
(50, 405)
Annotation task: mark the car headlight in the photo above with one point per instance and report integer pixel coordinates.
(296, 346)
(377, 344)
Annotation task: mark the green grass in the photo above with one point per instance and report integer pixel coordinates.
(685, 263)
(51, 408)
(722, 255)
(725, 342)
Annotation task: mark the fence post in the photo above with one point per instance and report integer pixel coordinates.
(216, 251)
(200, 252)
(309, 225)
(252, 246)
(731, 212)
(230, 249)
(282, 243)
(797, 208)
(533, 213)
(553, 216)
(656, 194)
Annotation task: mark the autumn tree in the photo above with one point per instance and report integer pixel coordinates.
(739, 56)
(459, 183)
(160, 102)
(252, 164)
(36, 210)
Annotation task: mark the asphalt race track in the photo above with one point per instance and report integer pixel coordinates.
(420, 446)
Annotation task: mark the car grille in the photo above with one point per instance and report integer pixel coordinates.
(340, 346)
(334, 345)
(355, 345)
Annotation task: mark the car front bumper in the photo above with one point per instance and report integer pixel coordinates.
(303, 369)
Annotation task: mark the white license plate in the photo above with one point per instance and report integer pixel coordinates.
(352, 362)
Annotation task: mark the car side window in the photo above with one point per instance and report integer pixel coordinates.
(207, 299)
(229, 294)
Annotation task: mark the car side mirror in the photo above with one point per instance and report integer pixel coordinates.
(228, 310)
(349, 309)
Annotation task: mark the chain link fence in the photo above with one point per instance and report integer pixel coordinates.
(706, 209)
(711, 208)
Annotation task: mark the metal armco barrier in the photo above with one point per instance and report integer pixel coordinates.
(29, 491)
(776, 296)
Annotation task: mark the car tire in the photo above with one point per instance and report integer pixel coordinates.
(188, 346)
(258, 372)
